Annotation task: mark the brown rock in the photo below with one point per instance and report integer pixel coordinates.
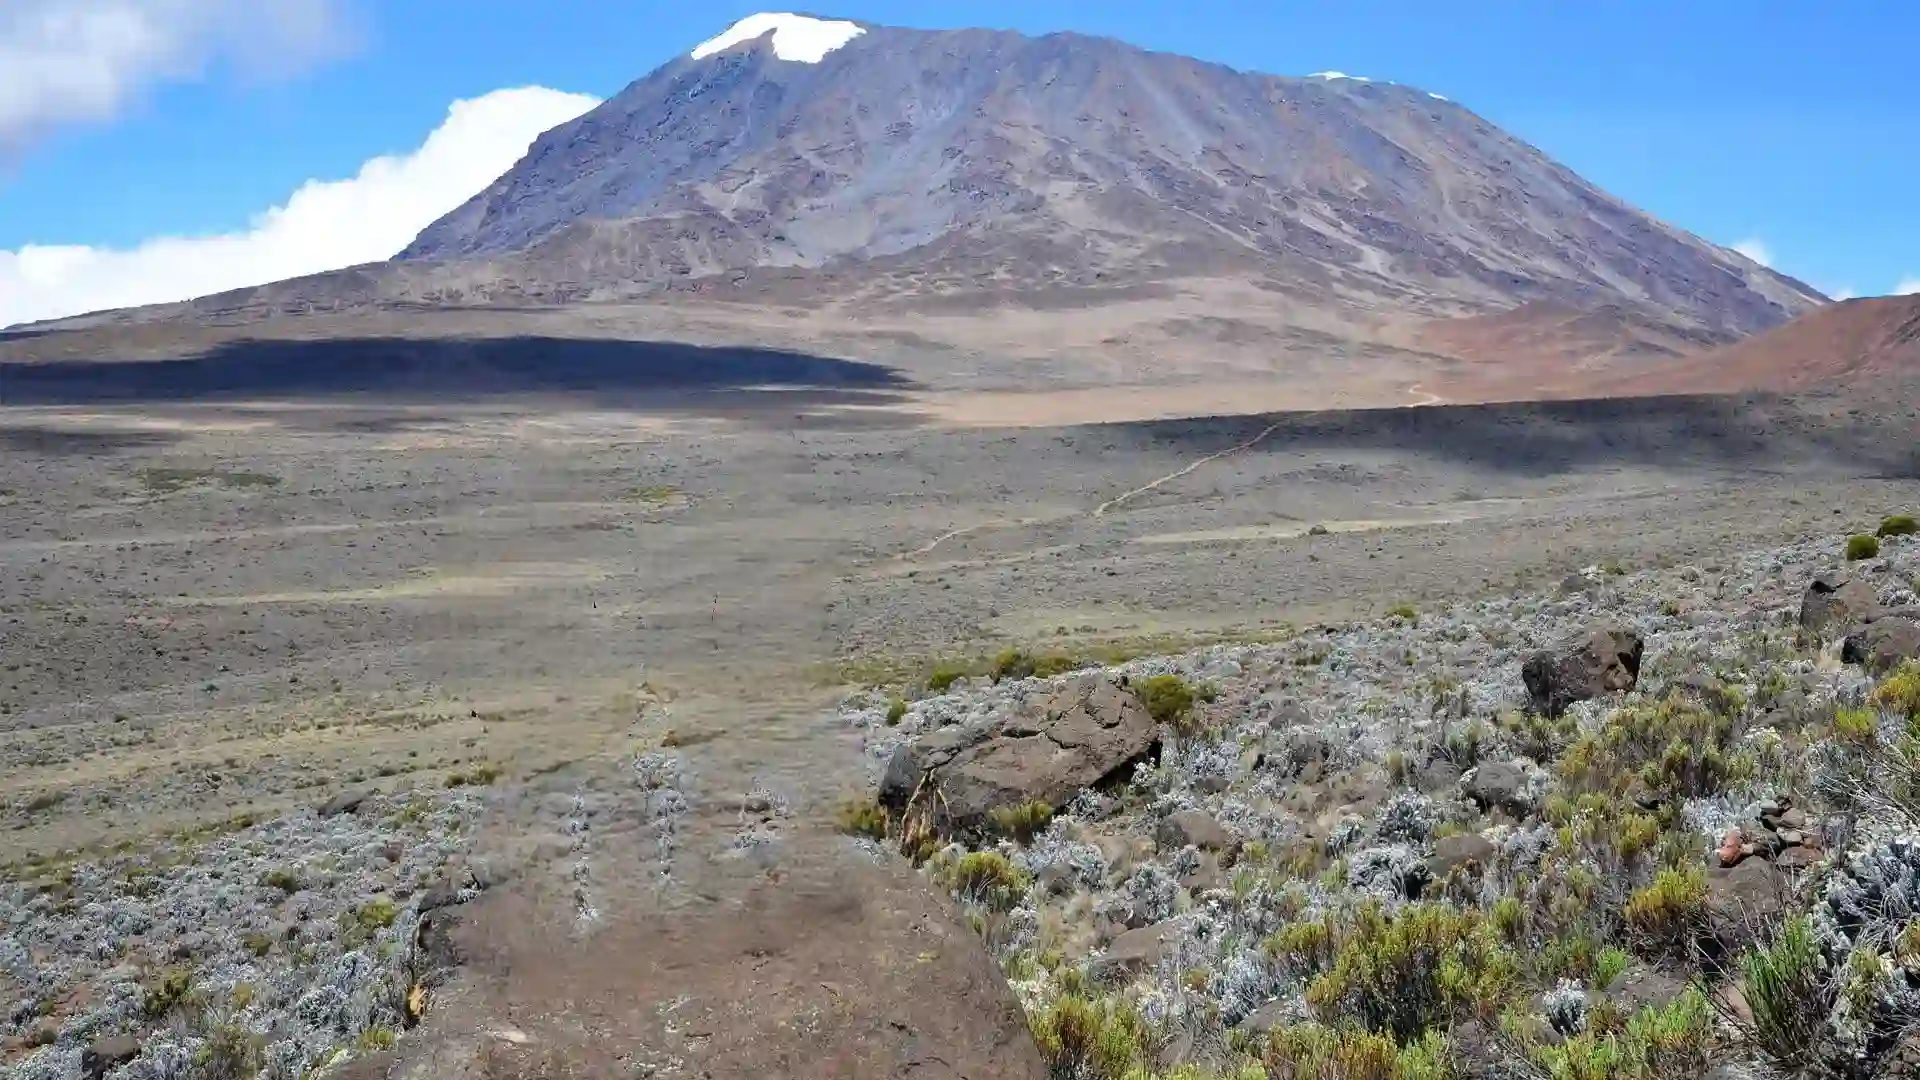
(1882, 645)
(1046, 750)
(1743, 901)
(1604, 660)
(1132, 952)
(347, 802)
(1193, 828)
(108, 1054)
(1837, 599)
(1462, 853)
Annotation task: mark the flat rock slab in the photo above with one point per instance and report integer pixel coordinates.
(830, 962)
(1045, 750)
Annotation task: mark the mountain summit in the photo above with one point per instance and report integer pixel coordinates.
(918, 196)
(973, 158)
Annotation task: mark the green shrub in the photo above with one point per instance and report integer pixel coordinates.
(986, 878)
(231, 1052)
(1426, 966)
(1022, 822)
(172, 990)
(359, 926)
(1900, 692)
(1898, 525)
(1676, 749)
(1318, 1052)
(1404, 611)
(863, 817)
(257, 943)
(1658, 1043)
(1053, 664)
(1666, 913)
(376, 1038)
(1862, 546)
(1610, 964)
(1302, 948)
(943, 676)
(896, 712)
(1788, 993)
(1012, 664)
(287, 881)
(1086, 1039)
(1169, 700)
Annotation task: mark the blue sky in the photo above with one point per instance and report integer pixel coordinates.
(1788, 124)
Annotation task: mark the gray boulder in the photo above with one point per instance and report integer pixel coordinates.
(1045, 750)
(1603, 660)
(1837, 599)
(1499, 785)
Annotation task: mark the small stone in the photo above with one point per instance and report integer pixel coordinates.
(1731, 850)
(347, 802)
(1791, 837)
(1317, 530)
(1793, 818)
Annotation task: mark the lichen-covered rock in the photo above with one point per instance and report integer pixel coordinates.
(1602, 660)
(1045, 750)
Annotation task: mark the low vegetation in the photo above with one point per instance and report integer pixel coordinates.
(1862, 547)
(168, 481)
(1427, 881)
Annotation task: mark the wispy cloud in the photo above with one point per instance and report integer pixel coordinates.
(76, 61)
(1756, 249)
(1907, 287)
(323, 226)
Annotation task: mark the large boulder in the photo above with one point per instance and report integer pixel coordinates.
(1837, 599)
(816, 961)
(1882, 644)
(1045, 750)
(1603, 660)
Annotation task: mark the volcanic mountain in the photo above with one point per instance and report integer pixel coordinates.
(984, 208)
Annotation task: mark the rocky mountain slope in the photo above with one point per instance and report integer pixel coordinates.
(959, 160)
(1171, 219)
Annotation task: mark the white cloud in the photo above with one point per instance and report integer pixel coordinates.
(73, 61)
(1908, 287)
(1756, 249)
(1332, 75)
(323, 226)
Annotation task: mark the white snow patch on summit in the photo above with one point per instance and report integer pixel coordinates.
(795, 37)
(1338, 75)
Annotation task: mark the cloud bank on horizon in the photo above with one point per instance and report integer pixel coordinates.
(83, 61)
(325, 225)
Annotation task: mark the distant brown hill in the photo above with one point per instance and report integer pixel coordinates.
(1854, 343)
